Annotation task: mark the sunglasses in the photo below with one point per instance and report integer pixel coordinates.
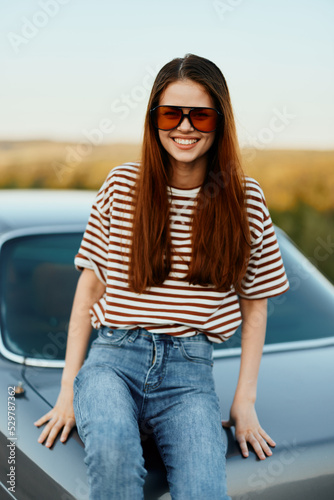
(170, 117)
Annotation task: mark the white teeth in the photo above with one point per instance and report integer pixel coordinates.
(185, 141)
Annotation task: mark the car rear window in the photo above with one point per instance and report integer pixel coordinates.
(305, 311)
(38, 281)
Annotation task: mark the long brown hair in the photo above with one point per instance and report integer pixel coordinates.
(220, 231)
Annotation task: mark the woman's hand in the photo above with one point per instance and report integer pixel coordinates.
(61, 417)
(247, 429)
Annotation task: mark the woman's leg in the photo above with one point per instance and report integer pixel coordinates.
(184, 415)
(106, 418)
(190, 438)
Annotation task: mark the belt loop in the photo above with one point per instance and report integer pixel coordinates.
(176, 342)
(132, 337)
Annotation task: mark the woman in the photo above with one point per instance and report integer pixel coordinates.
(178, 251)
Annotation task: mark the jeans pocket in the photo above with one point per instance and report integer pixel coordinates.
(108, 337)
(197, 350)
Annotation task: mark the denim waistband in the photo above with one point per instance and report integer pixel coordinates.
(142, 332)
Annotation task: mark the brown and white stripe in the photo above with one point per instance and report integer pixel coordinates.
(176, 307)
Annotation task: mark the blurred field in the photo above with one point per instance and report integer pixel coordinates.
(288, 177)
(57, 165)
(298, 185)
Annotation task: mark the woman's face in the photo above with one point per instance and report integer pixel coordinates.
(185, 144)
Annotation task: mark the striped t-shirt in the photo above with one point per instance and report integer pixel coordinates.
(176, 307)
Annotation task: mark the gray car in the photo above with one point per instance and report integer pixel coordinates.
(40, 232)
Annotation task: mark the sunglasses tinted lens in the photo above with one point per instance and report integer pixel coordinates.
(167, 117)
(204, 119)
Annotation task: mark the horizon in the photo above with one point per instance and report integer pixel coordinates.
(133, 143)
(78, 69)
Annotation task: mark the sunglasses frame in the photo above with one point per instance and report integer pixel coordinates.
(220, 116)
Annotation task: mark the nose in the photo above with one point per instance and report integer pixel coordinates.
(185, 124)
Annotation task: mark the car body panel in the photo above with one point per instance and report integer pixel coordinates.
(295, 403)
(283, 410)
(21, 208)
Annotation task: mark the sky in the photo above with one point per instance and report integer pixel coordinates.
(82, 70)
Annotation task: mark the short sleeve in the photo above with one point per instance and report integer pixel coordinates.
(93, 251)
(265, 276)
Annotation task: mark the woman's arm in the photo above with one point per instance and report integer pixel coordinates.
(89, 290)
(243, 415)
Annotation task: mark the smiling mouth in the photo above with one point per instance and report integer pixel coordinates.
(185, 142)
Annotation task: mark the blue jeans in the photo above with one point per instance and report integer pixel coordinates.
(133, 382)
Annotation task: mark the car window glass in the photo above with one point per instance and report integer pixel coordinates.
(38, 281)
(305, 311)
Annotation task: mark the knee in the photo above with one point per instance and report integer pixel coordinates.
(115, 466)
(114, 447)
(196, 486)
